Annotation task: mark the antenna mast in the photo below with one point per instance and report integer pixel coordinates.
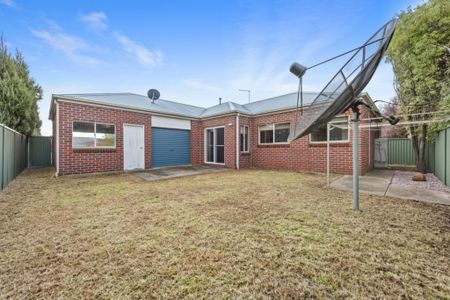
(247, 91)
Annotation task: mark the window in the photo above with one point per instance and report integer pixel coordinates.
(338, 131)
(244, 139)
(93, 135)
(215, 145)
(274, 133)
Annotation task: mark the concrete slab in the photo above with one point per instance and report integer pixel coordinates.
(367, 184)
(379, 182)
(174, 172)
(386, 174)
(412, 193)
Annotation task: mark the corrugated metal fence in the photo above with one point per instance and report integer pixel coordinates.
(18, 152)
(40, 151)
(442, 156)
(400, 152)
(13, 154)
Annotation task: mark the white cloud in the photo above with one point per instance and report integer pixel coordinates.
(95, 20)
(9, 3)
(148, 58)
(70, 45)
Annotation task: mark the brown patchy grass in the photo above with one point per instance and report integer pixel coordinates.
(246, 234)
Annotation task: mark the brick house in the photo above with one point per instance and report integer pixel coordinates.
(123, 131)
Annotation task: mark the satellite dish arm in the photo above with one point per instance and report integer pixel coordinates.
(391, 119)
(344, 53)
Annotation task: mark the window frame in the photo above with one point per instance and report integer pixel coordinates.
(205, 146)
(334, 142)
(95, 136)
(273, 133)
(246, 135)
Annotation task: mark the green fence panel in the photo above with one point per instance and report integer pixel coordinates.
(40, 151)
(447, 156)
(2, 131)
(13, 155)
(437, 154)
(400, 152)
(17, 154)
(8, 156)
(440, 156)
(430, 157)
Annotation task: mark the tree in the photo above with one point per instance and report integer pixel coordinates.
(19, 93)
(421, 62)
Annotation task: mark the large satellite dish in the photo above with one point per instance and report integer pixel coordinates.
(343, 88)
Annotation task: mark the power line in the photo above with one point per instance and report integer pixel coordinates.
(376, 125)
(409, 115)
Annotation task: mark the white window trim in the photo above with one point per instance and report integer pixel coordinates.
(248, 139)
(95, 132)
(273, 130)
(205, 147)
(334, 142)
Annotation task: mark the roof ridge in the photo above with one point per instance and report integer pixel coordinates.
(279, 96)
(85, 94)
(182, 103)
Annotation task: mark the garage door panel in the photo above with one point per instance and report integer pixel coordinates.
(170, 147)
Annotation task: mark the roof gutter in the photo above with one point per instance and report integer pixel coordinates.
(55, 98)
(95, 103)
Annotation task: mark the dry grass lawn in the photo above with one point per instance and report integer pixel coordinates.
(247, 234)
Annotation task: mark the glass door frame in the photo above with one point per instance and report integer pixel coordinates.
(214, 130)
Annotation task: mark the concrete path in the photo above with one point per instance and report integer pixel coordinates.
(174, 172)
(378, 182)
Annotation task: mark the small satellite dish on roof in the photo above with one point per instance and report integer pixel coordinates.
(153, 94)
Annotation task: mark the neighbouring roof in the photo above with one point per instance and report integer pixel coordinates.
(139, 102)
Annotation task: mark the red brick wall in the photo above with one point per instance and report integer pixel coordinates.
(301, 155)
(245, 159)
(197, 143)
(367, 138)
(198, 136)
(77, 161)
(54, 141)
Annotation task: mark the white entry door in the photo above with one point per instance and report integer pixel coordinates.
(133, 147)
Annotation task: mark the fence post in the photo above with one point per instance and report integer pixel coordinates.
(445, 158)
(14, 154)
(3, 154)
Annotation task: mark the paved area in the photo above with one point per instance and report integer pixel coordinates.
(379, 182)
(174, 172)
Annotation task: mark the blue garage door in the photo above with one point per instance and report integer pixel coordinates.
(170, 147)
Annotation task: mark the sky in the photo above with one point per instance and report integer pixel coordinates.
(191, 51)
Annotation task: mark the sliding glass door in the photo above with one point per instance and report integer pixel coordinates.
(215, 145)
